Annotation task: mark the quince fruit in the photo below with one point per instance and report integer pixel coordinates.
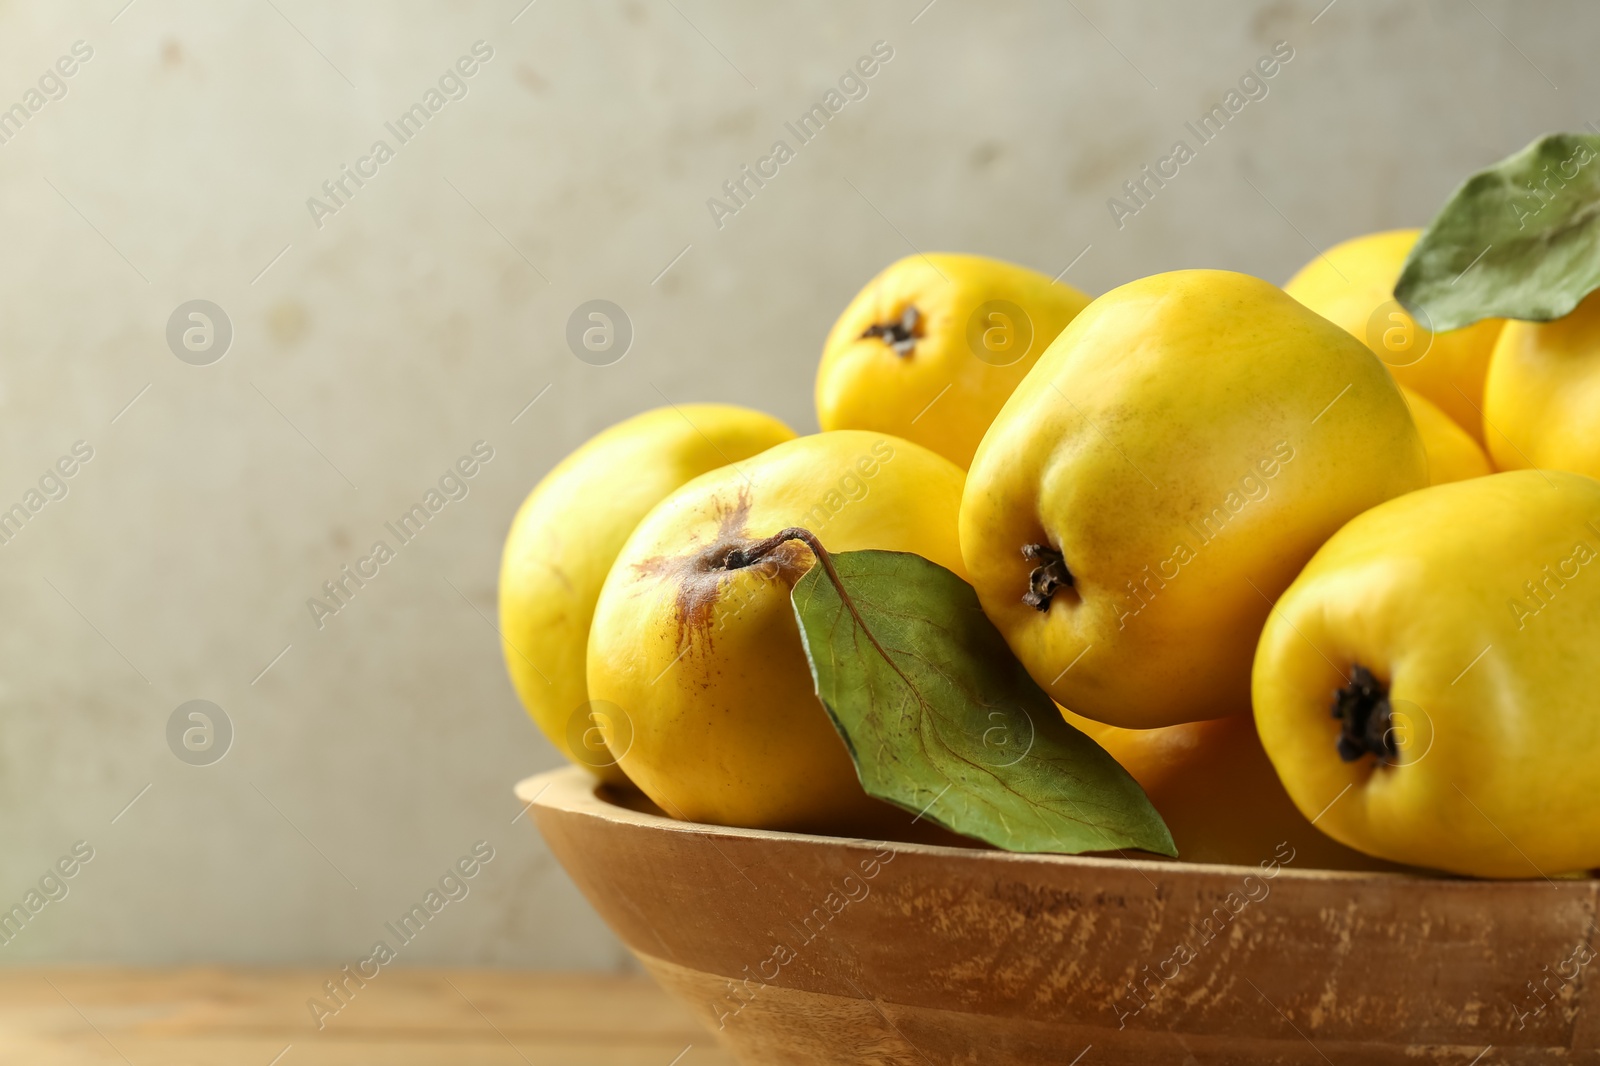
(1542, 402)
(1452, 633)
(1213, 785)
(567, 534)
(1352, 285)
(695, 639)
(1161, 475)
(1452, 454)
(932, 347)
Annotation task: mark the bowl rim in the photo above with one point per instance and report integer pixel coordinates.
(573, 790)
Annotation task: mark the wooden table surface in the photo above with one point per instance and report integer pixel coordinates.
(255, 1017)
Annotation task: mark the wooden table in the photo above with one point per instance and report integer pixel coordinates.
(253, 1017)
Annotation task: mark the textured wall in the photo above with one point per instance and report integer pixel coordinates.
(374, 344)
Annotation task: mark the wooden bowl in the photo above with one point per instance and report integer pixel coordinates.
(822, 951)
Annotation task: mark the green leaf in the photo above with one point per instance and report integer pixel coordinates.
(941, 718)
(1519, 240)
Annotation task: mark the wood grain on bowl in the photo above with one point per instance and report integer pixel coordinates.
(803, 950)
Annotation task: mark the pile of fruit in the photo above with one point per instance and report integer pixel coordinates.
(1201, 567)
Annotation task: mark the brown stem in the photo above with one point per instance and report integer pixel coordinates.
(739, 558)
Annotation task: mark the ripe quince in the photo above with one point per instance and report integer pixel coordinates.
(932, 347)
(1542, 402)
(1352, 285)
(699, 646)
(1213, 785)
(1161, 475)
(568, 532)
(1426, 687)
(1452, 454)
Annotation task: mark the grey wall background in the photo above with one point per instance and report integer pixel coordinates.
(370, 353)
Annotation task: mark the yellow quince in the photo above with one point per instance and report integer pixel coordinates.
(695, 639)
(1452, 634)
(932, 347)
(1161, 475)
(567, 534)
(1542, 402)
(1352, 285)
